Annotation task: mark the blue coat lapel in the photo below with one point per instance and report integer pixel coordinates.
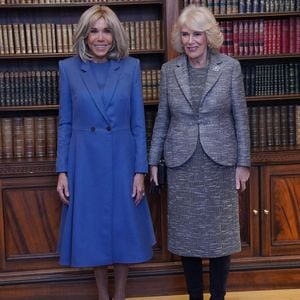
(112, 80)
(109, 88)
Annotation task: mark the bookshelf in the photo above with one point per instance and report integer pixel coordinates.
(29, 206)
(262, 36)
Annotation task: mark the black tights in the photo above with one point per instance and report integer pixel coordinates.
(218, 273)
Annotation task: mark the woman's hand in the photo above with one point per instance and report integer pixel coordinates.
(62, 188)
(154, 174)
(241, 177)
(138, 189)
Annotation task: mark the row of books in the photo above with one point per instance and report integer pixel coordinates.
(247, 6)
(59, 1)
(26, 88)
(271, 79)
(261, 37)
(277, 125)
(42, 38)
(150, 84)
(28, 137)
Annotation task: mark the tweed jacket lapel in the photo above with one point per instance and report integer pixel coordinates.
(182, 77)
(213, 74)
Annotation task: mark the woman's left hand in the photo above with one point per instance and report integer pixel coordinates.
(241, 177)
(138, 190)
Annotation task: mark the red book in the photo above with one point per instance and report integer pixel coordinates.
(224, 31)
(251, 37)
(285, 36)
(278, 36)
(241, 37)
(229, 27)
(298, 33)
(256, 41)
(273, 36)
(236, 51)
(261, 36)
(265, 33)
(246, 37)
(292, 35)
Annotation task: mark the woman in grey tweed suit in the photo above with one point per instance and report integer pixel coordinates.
(202, 131)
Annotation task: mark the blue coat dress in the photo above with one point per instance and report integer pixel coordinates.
(101, 145)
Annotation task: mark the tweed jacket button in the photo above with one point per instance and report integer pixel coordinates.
(108, 128)
(93, 129)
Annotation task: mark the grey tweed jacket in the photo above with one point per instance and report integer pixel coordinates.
(221, 122)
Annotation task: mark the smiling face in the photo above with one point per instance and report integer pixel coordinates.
(195, 45)
(100, 40)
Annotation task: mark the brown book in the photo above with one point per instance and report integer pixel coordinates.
(34, 38)
(284, 125)
(49, 38)
(144, 85)
(65, 38)
(17, 39)
(158, 34)
(297, 124)
(7, 137)
(5, 39)
(149, 85)
(142, 35)
(53, 38)
(152, 35)
(51, 136)
(253, 121)
(1, 40)
(18, 137)
(269, 126)
(11, 44)
(262, 126)
(132, 35)
(147, 35)
(276, 125)
(22, 38)
(154, 85)
(59, 38)
(137, 34)
(2, 89)
(291, 125)
(29, 137)
(39, 35)
(44, 37)
(70, 37)
(28, 38)
(40, 136)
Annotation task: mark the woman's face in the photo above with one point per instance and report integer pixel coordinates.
(100, 40)
(194, 43)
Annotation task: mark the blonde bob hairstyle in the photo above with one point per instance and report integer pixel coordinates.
(198, 19)
(119, 47)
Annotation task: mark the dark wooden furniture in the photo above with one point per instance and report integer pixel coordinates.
(30, 209)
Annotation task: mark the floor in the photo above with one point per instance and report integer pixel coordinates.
(252, 295)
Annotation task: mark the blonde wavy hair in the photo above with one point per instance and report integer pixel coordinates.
(199, 19)
(119, 49)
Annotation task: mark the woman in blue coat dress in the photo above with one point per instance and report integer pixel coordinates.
(102, 157)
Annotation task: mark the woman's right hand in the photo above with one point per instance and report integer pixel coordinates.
(62, 188)
(154, 174)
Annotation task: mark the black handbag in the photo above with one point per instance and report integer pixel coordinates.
(162, 172)
(162, 175)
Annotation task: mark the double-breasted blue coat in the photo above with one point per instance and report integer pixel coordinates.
(101, 145)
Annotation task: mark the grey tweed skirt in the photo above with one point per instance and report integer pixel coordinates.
(203, 216)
